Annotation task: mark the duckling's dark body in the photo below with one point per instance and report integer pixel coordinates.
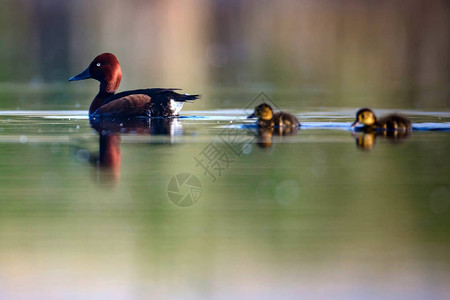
(392, 122)
(156, 102)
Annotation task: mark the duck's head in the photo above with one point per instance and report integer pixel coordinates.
(263, 112)
(104, 68)
(364, 116)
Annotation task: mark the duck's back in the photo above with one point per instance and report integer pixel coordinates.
(394, 122)
(155, 102)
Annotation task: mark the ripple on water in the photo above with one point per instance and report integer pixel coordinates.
(237, 118)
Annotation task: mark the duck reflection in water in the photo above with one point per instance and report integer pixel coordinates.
(108, 162)
(109, 158)
(365, 139)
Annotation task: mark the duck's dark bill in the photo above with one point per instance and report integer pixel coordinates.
(83, 75)
(251, 116)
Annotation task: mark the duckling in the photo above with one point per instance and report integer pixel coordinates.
(392, 122)
(268, 119)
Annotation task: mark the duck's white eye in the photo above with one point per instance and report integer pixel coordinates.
(98, 64)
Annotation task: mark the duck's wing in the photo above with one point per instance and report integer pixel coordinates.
(162, 94)
(129, 105)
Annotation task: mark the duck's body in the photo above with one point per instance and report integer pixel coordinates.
(157, 102)
(392, 122)
(269, 119)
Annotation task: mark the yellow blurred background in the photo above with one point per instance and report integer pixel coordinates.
(398, 49)
(392, 50)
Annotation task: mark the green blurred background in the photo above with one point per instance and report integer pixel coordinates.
(388, 53)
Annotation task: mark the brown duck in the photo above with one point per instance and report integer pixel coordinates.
(156, 102)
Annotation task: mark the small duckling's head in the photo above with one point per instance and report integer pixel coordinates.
(364, 116)
(263, 112)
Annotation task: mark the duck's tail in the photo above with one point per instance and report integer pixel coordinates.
(177, 96)
(186, 97)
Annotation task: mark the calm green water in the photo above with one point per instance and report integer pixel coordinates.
(303, 216)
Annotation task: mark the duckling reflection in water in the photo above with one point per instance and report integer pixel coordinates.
(265, 135)
(366, 140)
(270, 124)
(392, 122)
